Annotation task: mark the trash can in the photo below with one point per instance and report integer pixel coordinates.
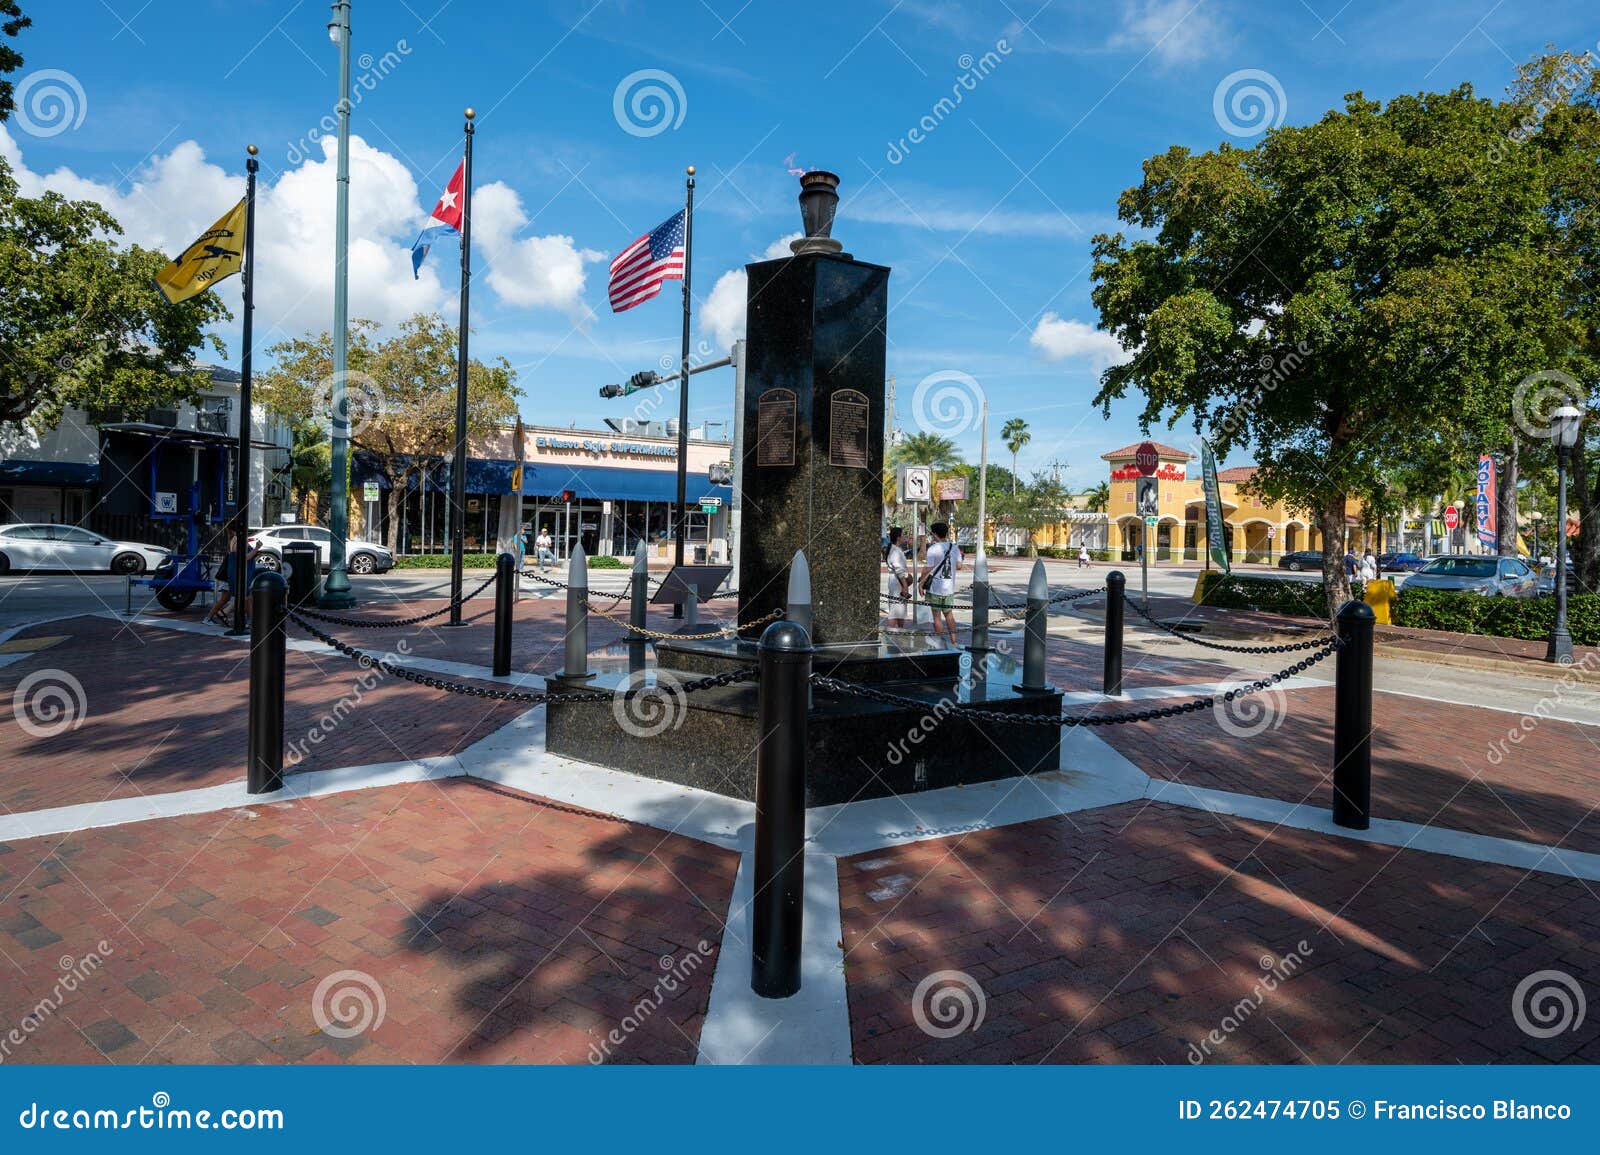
(699, 555)
(300, 563)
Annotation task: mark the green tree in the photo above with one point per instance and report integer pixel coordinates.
(1015, 435)
(1098, 499)
(401, 392)
(81, 324)
(926, 449)
(1346, 296)
(10, 58)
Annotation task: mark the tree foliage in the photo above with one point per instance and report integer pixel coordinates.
(10, 58)
(401, 395)
(81, 324)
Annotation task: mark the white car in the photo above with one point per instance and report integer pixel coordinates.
(69, 547)
(359, 556)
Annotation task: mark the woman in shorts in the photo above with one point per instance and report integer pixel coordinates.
(899, 599)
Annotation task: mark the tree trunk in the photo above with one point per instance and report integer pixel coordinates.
(1013, 473)
(1506, 503)
(397, 511)
(1330, 523)
(1583, 501)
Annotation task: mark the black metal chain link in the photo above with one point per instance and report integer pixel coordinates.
(1280, 648)
(531, 697)
(395, 623)
(1206, 703)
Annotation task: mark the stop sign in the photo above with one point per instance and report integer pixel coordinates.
(1451, 518)
(1146, 458)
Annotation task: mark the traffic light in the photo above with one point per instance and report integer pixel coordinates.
(641, 380)
(720, 472)
(566, 495)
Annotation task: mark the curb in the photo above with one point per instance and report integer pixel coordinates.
(1530, 667)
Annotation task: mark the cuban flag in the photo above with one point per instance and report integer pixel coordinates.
(446, 218)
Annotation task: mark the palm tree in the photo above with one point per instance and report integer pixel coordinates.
(1015, 435)
(926, 449)
(1098, 499)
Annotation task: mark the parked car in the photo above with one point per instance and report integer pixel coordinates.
(1401, 562)
(1301, 559)
(359, 556)
(1477, 574)
(69, 547)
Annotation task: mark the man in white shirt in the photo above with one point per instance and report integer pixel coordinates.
(541, 547)
(939, 566)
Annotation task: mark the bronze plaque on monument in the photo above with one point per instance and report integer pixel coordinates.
(847, 429)
(775, 422)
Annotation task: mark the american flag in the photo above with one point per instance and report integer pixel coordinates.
(638, 270)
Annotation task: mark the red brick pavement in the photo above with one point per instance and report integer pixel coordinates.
(498, 928)
(1432, 762)
(1129, 933)
(166, 710)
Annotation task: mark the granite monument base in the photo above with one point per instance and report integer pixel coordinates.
(859, 748)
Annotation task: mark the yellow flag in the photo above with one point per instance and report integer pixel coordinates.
(214, 257)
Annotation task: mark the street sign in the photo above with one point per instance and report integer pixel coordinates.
(1272, 532)
(952, 488)
(1152, 522)
(711, 504)
(1147, 497)
(369, 491)
(1451, 518)
(1146, 458)
(914, 484)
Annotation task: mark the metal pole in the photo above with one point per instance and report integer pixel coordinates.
(683, 385)
(577, 648)
(736, 502)
(1352, 717)
(798, 598)
(242, 466)
(336, 589)
(1116, 595)
(1560, 647)
(980, 602)
(983, 486)
(1144, 564)
(505, 587)
(264, 754)
(1033, 637)
(638, 605)
(458, 466)
(780, 865)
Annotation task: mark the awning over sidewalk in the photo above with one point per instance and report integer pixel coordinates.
(13, 472)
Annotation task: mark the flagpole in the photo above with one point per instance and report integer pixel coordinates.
(683, 379)
(242, 466)
(458, 469)
(336, 592)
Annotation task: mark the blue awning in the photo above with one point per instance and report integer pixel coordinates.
(611, 483)
(14, 472)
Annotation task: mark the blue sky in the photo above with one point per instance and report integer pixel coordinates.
(986, 221)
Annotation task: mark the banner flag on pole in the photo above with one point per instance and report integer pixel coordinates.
(214, 257)
(639, 270)
(1488, 527)
(1215, 530)
(446, 218)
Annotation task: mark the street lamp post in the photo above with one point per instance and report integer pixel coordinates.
(1538, 559)
(1564, 424)
(1461, 525)
(336, 589)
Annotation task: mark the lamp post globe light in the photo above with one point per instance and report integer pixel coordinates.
(1564, 423)
(1534, 518)
(336, 588)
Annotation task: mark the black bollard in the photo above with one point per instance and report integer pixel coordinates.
(1033, 630)
(1352, 717)
(269, 595)
(505, 585)
(780, 865)
(1116, 592)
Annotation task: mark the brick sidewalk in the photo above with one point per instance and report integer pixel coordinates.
(165, 710)
(1432, 762)
(497, 928)
(1128, 934)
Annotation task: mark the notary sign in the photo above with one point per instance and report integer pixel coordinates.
(951, 488)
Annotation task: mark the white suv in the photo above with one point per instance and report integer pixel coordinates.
(359, 556)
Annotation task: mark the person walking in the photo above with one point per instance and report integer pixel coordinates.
(228, 587)
(1369, 567)
(1083, 556)
(894, 556)
(939, 567)
(1351, 566)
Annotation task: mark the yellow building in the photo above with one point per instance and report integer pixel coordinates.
(1258, 530)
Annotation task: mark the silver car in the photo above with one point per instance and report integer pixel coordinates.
(1477, 574)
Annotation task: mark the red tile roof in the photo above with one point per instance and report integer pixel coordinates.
(1237, 473)
(1127, 451)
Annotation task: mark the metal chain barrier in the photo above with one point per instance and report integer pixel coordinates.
(627, 592)
(1280, 648)
(395, 623)
(1001, 716)
(723, 632)
(1014, 612)
(530, 697)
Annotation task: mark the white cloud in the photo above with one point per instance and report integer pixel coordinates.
(165, 204)
(1174, 31)
(533, 272)
(1060, 339)
(722, 314)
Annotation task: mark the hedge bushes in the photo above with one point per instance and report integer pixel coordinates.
(485, 561)
(1527, 618)
(1269, 595)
